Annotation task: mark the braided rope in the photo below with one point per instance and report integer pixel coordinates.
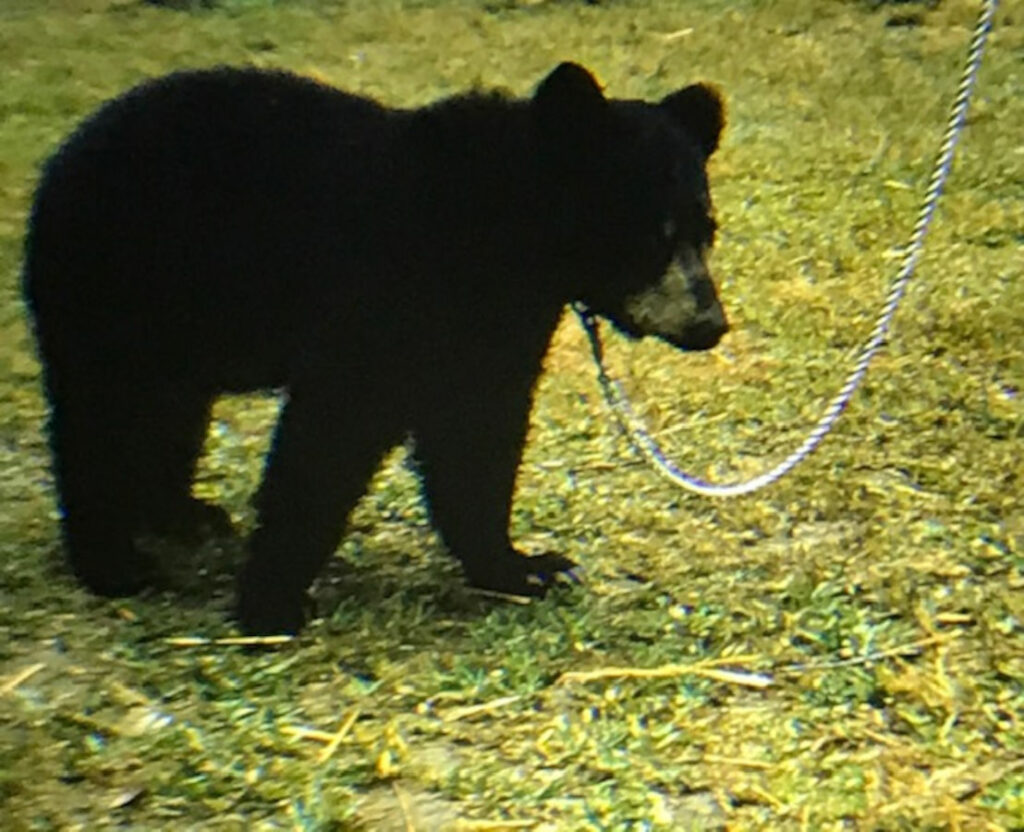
(648, 447)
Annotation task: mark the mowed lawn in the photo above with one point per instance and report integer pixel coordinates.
(841, 650)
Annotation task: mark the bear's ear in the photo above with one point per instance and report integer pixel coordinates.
(699, 110)
(569, 97)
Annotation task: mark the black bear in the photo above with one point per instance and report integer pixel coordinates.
(392, 271)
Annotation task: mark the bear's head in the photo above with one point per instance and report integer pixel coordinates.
(628, 191)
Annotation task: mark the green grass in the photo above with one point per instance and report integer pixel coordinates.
(879, 586)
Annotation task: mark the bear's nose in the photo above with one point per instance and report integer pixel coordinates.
(706, 330)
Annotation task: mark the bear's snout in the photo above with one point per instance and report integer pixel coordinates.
(705, 331)
(682, 308)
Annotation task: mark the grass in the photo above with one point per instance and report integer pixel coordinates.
(844, 650)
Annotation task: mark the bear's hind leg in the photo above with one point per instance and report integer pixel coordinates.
(165, 445)
(324, 452)
(89, 426)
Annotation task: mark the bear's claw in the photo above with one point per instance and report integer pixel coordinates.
(530, 576)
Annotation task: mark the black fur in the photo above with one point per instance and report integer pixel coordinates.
(393, 270)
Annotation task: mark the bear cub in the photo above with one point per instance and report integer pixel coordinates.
(393, 271)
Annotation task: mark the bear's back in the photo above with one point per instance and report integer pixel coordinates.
(224, 198)
(204, 134)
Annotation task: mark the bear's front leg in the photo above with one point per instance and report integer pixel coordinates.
(323, 454)
(469, 453)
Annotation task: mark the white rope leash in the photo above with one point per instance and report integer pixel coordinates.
(648, 447)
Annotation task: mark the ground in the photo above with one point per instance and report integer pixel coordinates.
(878, 587)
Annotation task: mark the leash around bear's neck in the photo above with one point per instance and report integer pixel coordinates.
(645, 444)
